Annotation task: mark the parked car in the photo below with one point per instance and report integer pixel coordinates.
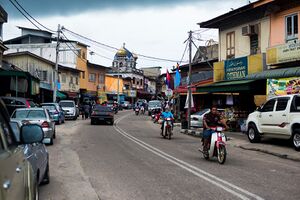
(70, 109)
(13, 103)
(126, 105)
(56, 112)
(279, 118)
(102, 113)
(197, 118)
(16, 173)
(38, 116)
(36, 154)
(154, 105)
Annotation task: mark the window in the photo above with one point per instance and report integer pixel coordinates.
(71, 79)
(83, 75)
(269, 106)
(281, 104)
(230, 43)
(76, 80)
(101, 78)
(83, 55)
(291, 27)
(43, 75)
(295, 107)
(4, 128)
(63, 78)
(254, 44)
(92, 77)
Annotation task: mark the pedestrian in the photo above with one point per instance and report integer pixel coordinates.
(86, 109)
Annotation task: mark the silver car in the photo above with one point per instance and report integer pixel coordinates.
(197, 118)
(71, 111)
(36, 154)
(38, 116)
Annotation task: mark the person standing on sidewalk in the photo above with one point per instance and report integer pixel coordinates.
(211, 119)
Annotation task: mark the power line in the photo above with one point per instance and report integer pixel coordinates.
(24, 14)
(111, 47)
(33, 17)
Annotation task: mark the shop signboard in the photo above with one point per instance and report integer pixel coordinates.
(169, 92)
(236, 68)
(288, 52)
(283, 86)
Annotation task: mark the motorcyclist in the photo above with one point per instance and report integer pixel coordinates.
(211, 119)
(166, 114)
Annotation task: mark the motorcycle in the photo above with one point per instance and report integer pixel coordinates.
(167, 129)
(217, 147)
(137, 111)
(142, 110)
(155, 114)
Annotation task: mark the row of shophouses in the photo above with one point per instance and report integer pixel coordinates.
(257, 57)
(27, 67)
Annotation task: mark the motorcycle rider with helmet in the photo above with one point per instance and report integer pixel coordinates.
(164, 115)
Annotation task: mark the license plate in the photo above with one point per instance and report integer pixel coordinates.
(101, 118)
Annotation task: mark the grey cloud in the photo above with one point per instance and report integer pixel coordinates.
(69, 7)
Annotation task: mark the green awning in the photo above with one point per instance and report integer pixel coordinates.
(228, 86)
(60, 95)
(275, 73)
(13, 73)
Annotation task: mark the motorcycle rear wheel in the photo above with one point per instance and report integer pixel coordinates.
(169, 133)
(222, 154)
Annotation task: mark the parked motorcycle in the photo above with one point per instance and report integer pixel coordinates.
(167, 129)
(217, 147)
(137, 111)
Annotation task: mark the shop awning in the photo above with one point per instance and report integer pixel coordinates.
(60, 95)
(229, 86)
(275, 73)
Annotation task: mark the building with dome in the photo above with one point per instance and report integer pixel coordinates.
(124, 66)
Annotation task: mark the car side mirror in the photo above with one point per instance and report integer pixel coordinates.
(258, 108)
(31, 133)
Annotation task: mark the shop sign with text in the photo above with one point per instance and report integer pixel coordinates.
(288, 52)
(236, 68)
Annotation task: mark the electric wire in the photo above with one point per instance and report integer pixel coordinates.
(24, 14)
(33, 17)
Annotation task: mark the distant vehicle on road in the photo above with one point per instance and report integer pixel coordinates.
(56, 112)
(126, 105)
(13, 103)
(16, 173)
(102, 113)
(154, 106)
(70, 109)
(278, 118)
(38, 116)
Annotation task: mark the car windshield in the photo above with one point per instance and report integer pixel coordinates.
(202, 112)
(102, 109)
(66, 104)
(154, 103)
(49, 107)
(29, 114)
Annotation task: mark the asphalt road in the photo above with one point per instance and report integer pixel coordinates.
(130, 160)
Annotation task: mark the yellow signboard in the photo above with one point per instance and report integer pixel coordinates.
(284, 53)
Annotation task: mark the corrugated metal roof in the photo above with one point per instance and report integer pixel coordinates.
(201, 76)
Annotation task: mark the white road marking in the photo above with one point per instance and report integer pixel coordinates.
(184, 165)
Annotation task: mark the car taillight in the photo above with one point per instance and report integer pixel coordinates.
(28, 104)
(45, 124)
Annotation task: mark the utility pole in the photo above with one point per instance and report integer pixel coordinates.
(56, 64)
(189, 79)
(118, 93)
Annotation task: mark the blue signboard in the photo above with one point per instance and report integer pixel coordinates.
(236, 68)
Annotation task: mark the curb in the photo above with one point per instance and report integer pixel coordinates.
(284, 156)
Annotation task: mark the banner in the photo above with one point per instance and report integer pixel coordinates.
(283, 86)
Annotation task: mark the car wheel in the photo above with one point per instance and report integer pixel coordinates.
(253, 134)
(296, 139)
(51, 141)
(36, 190)
(112, 122)
(46, 178)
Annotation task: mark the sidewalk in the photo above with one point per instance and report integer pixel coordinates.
(279, 148)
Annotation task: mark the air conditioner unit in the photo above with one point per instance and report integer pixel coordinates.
(250, 30)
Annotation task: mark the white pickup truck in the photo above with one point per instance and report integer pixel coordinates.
(279, 118)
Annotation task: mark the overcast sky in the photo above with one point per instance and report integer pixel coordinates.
(156, 28)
